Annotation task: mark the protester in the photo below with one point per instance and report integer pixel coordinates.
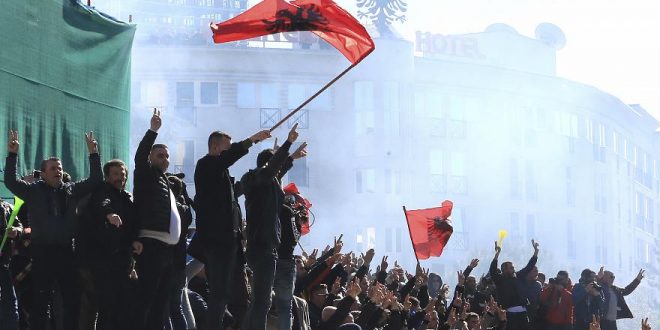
(53, 220)
(159, 229)
(615, 306)
(113, 230)
(219, 230)
(263, 200)
(8, 304)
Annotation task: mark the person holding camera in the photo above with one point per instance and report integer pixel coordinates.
(588, 299)
(615, 306)
(53, 215)
(556, 303)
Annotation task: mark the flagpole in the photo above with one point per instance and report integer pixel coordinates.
(313, 97)
(410, 233)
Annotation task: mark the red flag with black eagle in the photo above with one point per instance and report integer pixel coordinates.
(322, 17)
(430, 229)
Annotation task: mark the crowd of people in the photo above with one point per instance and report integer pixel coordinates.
(90, 255)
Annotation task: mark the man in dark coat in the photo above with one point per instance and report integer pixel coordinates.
(53, 217)
(159, 229)
(263, 201)
(219, 220)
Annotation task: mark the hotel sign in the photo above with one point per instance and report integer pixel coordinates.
(448, 45)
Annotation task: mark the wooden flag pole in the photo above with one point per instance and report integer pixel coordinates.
(293, 112)
(410, 233)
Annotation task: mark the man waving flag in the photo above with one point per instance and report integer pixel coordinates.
(322, 17)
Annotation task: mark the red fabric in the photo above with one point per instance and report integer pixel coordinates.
(560, 311)
(430, 230)
(322, 17)
(301, 201)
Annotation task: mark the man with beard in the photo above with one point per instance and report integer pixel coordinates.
(112, 232)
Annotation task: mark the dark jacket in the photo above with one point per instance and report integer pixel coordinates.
(215, 206)
(263, 199)
(585, 304)
(110, 245)
(151, 191)
(185, 212)
(509, 290)
(623, 311)
(290, 233)
(52, 211)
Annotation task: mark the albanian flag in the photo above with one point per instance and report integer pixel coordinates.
(322, 17)
(302, 205)
(430, 230)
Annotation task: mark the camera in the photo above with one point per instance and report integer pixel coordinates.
(36, 174)
(596, 286)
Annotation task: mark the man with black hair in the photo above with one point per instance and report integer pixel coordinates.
(112, 231)
(219, 219)
(588, 299)
(159, 228)
(615, 306)
(509, 288)
(53, 216)
(263, 201)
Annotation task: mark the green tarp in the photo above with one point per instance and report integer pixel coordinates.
(64, 70)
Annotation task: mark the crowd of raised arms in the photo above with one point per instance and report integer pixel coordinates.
(90, 255)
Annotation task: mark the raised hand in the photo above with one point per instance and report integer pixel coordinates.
(535, 245)
(92, 144)
(498, 249)
(501, 313)
(640, 275)
(114, 220)
(452, 318)
(300, 152)
(293, 133)
(338, 243)
(262, 135)
(645, 324)
(474, 263)
(353, 290)
(368, 257)
(461, 278)
(601, 273)
(595, 323)
(156, 121)
(13, 144)
(383, 264)
(458, 301)
(336, 286)
(275, 145)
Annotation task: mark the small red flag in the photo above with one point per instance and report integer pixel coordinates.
(430, 230)
(322, 17)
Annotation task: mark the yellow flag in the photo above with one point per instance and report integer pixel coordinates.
(502, 234)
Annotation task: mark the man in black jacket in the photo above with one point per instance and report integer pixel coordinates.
(52, 214)
(159, 228)
(615, 306)
(218, 219)
(8, 306)
(263, 200)
(112, 229)
(510, 290)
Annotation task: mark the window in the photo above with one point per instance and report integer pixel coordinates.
(365, 181)
(246, 95)
(208, 92)
(514, 179)
(457, 164)
(299, 173)
(185, 94)
(270, 95)
(392, 182)
(436, 162)
(531, 226)
(365, 123)
(391, 108)
(530, 181)
(388, 239)
(363, 97)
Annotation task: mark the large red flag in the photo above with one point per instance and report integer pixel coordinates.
(430, 230)
(322, 17)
